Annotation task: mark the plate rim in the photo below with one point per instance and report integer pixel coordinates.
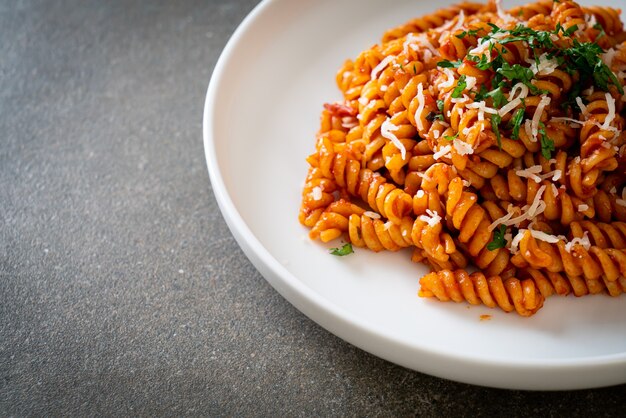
(527, 374)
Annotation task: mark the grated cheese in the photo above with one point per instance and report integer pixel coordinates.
(540, 235)
(583, 207)
(372, 215)
(421, 101)
(606, 125)
(590, 20)
(481, 106)
(502, 14)
(531, 173)
(431, 218)
(381, 66)
(584, 241)
(449, 79)
(545, 101)
(470, 82)
(317, 193)
(410, 38)
(528, 129)
(423, 40)
(545, 65)
(510, 106)
(555, 191)
(462, 99)
(583, 108)
(443, 152)
(424, 176)
(482, 48)
(528, 212)
(386, 131)
(461, 147)
(514, 246)
(557, 175)
(543, 236)
(349, 122)
(610, 101)
(608, 56)
(513, 103)
(459, 23)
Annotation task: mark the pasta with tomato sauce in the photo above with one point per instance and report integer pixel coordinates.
(483, 138)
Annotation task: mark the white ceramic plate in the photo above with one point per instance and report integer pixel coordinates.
(261, 114)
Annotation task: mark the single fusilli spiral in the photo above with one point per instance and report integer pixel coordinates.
(511, 294)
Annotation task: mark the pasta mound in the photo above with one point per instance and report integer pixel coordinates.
(481, 136)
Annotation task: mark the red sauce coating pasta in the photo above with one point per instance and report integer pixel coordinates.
(476, 135)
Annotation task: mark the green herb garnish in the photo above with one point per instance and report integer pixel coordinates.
(345, 250)
(516, 72)
(584, 57)
(516, 121)
(498, 239)
(498, 97)
(460, 87)
(451, 138)
(463, 34)
(566, 32)
(432, 116)
(482, 94)
(495, 121)
(599, 27)
(547, 144)
(449, 64)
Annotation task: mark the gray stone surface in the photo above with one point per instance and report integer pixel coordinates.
(122, 291)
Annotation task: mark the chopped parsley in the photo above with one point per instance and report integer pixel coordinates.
(599, 27)
(460, 87)
(432, 116)
(498, 97)
(585, 58)
(498, 239)
(482, 62)
(566, 32)
(516, 121)
(482, 94)
(449, 64)
(516, 72)
(495, 121)
(581, 57)
(534, 38)
(345, 250)
(451, 138)
(463, 34)
(547, 144)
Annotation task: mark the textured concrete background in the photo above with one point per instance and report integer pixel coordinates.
(122, 291)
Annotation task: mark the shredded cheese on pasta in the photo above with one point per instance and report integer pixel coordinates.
(483, 135)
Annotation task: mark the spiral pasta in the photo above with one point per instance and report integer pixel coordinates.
(483, 136)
